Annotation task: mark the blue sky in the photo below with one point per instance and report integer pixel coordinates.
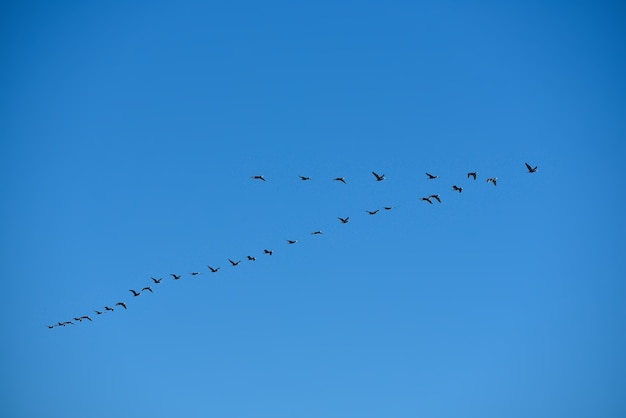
(128, 135)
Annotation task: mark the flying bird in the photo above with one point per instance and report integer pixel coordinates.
(251, 258)
(98, 312)
(109, 309)
(435, 196)
(492, 180)
(51, 326)
(148, 288)
(344, 220)
(195, 273)
(59, 324)
(431, 177)
(378, 178)
(304, 178)
(156, 281)
(372, 212)
(176, 277)
(292, 241)
(427, 199)
(78, 319)
(266, 251)
(135, 293)
(122, 304)
(341, 179)
(234, 263)
(86, 317)
(457, 188)
(258, 178)
(316, 233)
(213, 270)
(472, 174)
(387, 207)
(531, 169)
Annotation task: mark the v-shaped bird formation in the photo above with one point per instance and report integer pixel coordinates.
(106, 309)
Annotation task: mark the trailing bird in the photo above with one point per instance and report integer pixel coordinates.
(109, 309)
(316, 233)
(68, 323)
(304, 178)
(387, 207)
(250, 258)
(156, 281)
(341, 179)
(194, 273)
(86, 317)
(372, 212)
(98, 312)
(234, 263)
(427, 199)
(457, 188)
(266, 251)
(135, 293)
(344, 220)
(213, 270)
(472, 174)
(435, 196)
(122, 304)
(492, 180)
(78, 319)
(176, 277)
(378, 178)
(59, 324)
(51, 326)
(258, 178)
(292, 241)
(531, 169)
(148, 288)
(431, 177)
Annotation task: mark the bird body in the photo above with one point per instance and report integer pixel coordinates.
(435, 196)
(316, 233)
(251, 258)
(86, 317)
(135, 293)
(98, 312)
(344, 220)
(148, 288)
(122, 304)
(234, 263)
(266, 251)
(427, 199)
(156, 281)
(457, 188)
(304, 178)
(195, 273)
(388, 207)
(213, 270)
(372, 212)
(292, 241)
(341, 179)
(492, 180)
(531, 169)
(175, 276)
(431, 176)
(258, 178)
(472, 174)
(378, 177)
(109, 309)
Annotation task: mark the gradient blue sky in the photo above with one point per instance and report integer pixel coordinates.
(128, 135)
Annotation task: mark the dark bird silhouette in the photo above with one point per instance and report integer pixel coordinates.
(86, 317)
(98, 312)
(156, 281)
(109, 309)
(435, 196)
(51, 326)
(292, 241)
(60, 324)
(195, 273)
(258, 178)
(234, 263)
(78, 319)
(304, 178)
(316, 233)
(372, 212)
(472, 174)
(148, 288)
(68, 323)
(531, 169)
(344, 220)
(341, 179)
(266, 251)
(135, 293)
(176, 277)
(427, 199)
(251, 258)
(457, 188)
(378, 178)
(213, 270)
(492, 180)
(431, 177)
(387, 207)
(122, 304)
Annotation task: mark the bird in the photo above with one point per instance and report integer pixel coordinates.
(435, 196)
(109, 309)
(98, 312)
(176, 277)
(148, 288)
(341, 179)
(78, 319)
(59, 324)
(258, 178)
(316, 233)
(304, 178)
(68, 323)
(51, 326)
(492, 180)
(250, 258)
(472, 174)
(194, 273)
(135, 293)
(86, 317)
(387, 207)
(122, 304)
(378, 178)
(457, 188)
(431, 177)
(292, 241)
(427, 199)
(213, 270)
(156, 281)
(372, 212)
(266, 251)
(531, 169)
(344, 220)
(234, 263)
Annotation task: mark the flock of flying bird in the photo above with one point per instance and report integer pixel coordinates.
(233, 263)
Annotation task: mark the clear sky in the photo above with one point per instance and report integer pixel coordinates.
(129, 132)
